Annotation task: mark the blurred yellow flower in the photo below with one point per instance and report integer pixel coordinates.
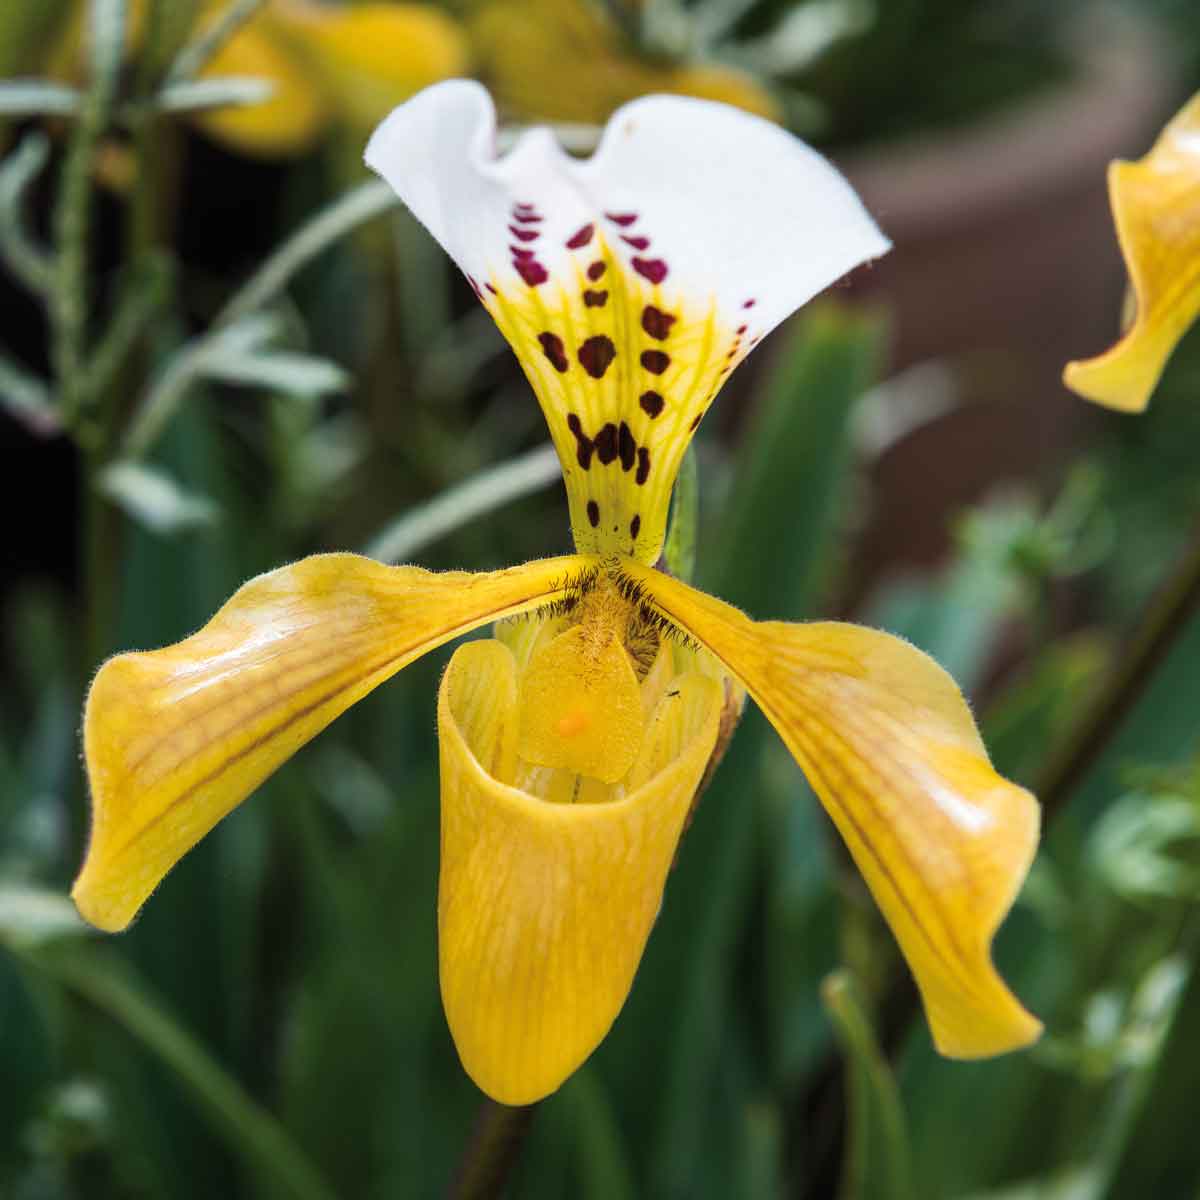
(325, 63)
(1156, 208)
(561, 60)
(573, 742)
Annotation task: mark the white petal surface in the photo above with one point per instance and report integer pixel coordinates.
(631, 283)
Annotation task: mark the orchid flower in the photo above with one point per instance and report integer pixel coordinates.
(1156, 209)
(573, 742)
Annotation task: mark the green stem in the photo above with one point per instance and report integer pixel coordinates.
(1169, 614)
(72, 213)
(193, 58)
(679, 553)
(251, 1130)
(493, 1151)
(456, 506)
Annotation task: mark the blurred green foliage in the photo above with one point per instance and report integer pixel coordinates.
(271, 1026)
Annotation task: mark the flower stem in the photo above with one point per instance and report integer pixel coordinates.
(679, 553)
(1169, 614)
(494, 1149)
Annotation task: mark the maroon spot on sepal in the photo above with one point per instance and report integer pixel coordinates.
(741, 329)
(653, 269)
(695, 422)
(553, 349)
(750, 303)
(656, 322)
(596, 270)
(581, 238)
(474, 286)
(524, 235)
(593, 511)
(622, 219)
(635, 526)
(595, 355)
(524, 206)
(606, 444)
(531, 271)
(643, 471)
(652, 403)
(491, 289)
(518, 252)
(656, 361)
(595, 299)
(527, 218)
(626, 447)
(585, 445)
(638, 243)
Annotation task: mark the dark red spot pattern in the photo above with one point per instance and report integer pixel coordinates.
(553, 349)
(635, 526)
(596, 270)
(653, 269)
(584, 444)
(524, 235)
(526, 218)
(655, 361)
(627, 448)
(593, 299)
(622, 219)
(593, 511)
(643, 464)
(606, 444)
(652, 403)
(581, 238)
(637, 242)
(656, 322)
(596, 354)
(531, 271)
(750, 303)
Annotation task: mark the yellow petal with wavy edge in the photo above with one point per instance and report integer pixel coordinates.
(581, 708)
(176, 738)
(544, 909)
(889, 745)
(1156, 208)
(369, 57)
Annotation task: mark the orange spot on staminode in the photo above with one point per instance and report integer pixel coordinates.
(571, 724)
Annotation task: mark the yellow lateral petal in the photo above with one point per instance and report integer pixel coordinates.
(1156, 208)
(544, 909)
(889, 745)
(175, 738)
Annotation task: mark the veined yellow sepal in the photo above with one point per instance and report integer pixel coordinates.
(176, 738)
(890, 747)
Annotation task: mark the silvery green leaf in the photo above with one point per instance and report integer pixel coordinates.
(195, 95)
(301, 374)
(30, 916)
(27, 399)
(805, 34)
(36, 97)
(155, 500)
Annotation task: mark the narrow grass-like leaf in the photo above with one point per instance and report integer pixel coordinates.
(878, 1159)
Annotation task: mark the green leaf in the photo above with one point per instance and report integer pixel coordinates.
(154, 499)
(36, 97)
(31, 916)
(878, 1159)
(250, 1130)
